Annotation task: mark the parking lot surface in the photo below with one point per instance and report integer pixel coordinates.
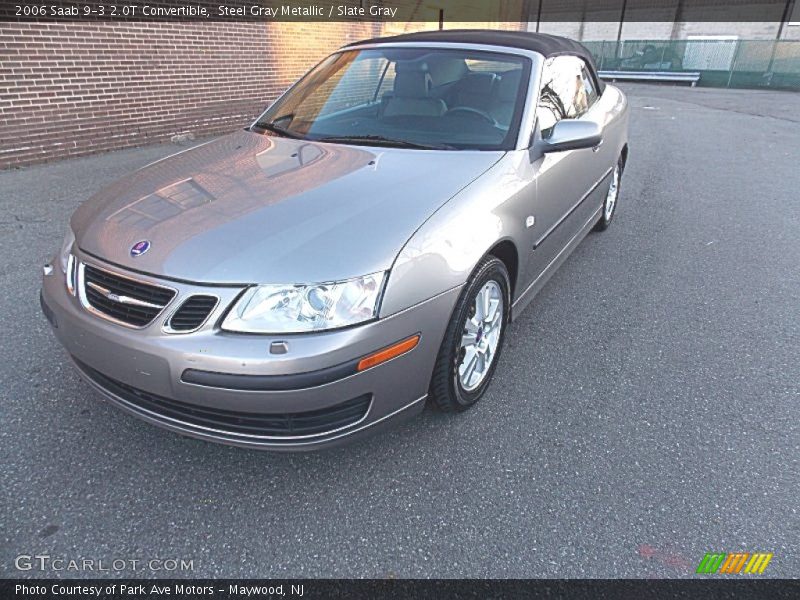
(646, 409)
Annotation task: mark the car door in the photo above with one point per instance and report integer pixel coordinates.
(564, 180)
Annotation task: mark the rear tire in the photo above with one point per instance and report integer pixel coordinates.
(612, 198)
(474, 338)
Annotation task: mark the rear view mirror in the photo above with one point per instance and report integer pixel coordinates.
(573, 135)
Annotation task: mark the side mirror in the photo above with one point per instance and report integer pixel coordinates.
(572, 134)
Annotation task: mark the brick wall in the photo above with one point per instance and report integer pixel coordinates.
(70, 89)
(73, 89)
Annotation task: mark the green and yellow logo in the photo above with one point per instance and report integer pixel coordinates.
(736, 562)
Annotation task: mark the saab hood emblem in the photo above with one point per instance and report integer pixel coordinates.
(140, 248)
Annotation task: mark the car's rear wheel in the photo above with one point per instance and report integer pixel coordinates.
(474, 338)
(612, 197)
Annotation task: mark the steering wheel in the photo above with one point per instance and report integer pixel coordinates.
(473, 111)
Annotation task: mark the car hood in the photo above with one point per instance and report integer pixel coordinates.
(251, 208)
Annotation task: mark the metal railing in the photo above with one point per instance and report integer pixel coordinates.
(721, 62)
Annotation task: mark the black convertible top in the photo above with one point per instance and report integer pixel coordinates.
(543, 43)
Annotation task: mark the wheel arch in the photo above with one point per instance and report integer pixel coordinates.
(506, 251)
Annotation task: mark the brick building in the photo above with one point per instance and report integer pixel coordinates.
(78, 88)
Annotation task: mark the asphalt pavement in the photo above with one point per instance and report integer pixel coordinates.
(646, 409)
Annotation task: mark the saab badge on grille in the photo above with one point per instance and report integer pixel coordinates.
(140, 248)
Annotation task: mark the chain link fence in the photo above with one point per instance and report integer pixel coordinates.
(721, 62)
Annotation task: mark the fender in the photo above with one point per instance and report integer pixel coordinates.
(443, 252)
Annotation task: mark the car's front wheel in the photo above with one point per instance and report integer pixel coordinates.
(474, 338)
(612, 196)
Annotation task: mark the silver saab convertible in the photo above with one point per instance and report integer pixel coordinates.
(360, 247)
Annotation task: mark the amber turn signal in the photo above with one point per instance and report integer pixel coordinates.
(389, 353)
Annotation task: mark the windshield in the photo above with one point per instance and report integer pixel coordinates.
(406, 97)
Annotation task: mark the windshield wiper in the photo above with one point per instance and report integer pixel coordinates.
(279, 130)
(379, 140)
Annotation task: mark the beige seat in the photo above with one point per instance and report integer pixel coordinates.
(412, 96)
(502, 106)
(474, 91)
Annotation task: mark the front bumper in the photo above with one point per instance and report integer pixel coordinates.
(228, 387)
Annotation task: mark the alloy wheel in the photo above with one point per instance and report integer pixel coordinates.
(611, 198)
(481, 336)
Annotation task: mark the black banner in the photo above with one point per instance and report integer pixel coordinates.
(402, 11)
(630, 589)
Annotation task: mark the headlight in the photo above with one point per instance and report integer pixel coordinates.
(66, 248)
(300, 308)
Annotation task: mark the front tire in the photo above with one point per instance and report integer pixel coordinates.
(474, 338)
(612, 198)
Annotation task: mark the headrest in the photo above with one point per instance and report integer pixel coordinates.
(446, 69)
(411, 84)
(509, 85)
(406, 66)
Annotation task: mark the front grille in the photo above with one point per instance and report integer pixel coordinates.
(125, 300)
(192, 313)
(277, 425)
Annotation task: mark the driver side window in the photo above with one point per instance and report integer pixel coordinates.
(566, 92)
